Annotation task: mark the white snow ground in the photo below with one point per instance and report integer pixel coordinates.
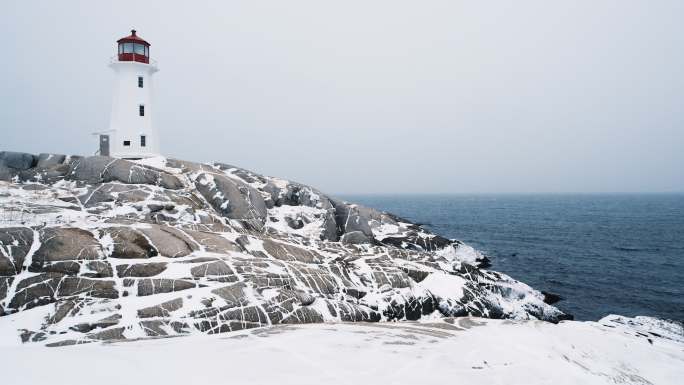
(453, 351)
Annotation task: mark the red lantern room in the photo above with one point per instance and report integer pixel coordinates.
(134, 48)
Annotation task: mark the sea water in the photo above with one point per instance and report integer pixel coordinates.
(604, 253)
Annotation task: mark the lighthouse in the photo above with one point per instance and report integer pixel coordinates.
(131, 133)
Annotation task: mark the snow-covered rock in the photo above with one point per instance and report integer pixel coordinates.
(99, 248)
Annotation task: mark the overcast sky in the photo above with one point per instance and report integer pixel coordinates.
(371, 96)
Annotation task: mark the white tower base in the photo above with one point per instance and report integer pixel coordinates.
(131, 129)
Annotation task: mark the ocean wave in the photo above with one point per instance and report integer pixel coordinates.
(633, 248)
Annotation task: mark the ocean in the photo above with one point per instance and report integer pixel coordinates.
(603, 253)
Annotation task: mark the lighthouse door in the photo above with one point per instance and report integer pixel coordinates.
(104, 145)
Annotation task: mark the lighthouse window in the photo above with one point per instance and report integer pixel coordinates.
(142, 140)
(141, 110)
(140, 82)
(127, 47)
(127, 143)
(139, 49)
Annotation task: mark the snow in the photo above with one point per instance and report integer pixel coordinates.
(312, 218)
(461, 252)
(444, 285)
(158, 162)
(646, 326)
(466, 350)
(383, 230)
(35, 207)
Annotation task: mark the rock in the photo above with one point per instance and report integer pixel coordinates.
(316, 280)
(387, 273)
(35, 291)
(187, 166)
(287, 252)
(243, 241)
(212, 268)
(27, 335)
(99, 194)
(46, 287)
(199, 229)
(271, 194)
(250, 316)
(66, 244)
(330, 228)
(416, 241)
(109, 334)
(97, 269)
(162, 310)
(100, 169)
(155, 207)
(356, 293)
(354, 238)
(233, 295)
(246, 175)
(102, 324)
(162, 285)
(213, 243)
(153, 328)
(303, 315)
(295, 194)
(302, 298)
(47, 174)
(141, 269)
(6, 173)
(17, 160)
(349, 312)
(49, 160)
(415, 307)
(294, 223)
(35, 187)
(62, 308)
(66, 343)
(129, 243)
(351, 218)
(551, 298)
(5, 282)
(231, 198)
(415, 274)
(91, 287)
(15, 243)
(63, 267)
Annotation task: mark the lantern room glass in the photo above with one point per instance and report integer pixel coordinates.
(138, 49)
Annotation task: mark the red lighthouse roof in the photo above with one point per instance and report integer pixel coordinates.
(133, 38)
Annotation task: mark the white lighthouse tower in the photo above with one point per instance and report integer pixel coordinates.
(131, 133)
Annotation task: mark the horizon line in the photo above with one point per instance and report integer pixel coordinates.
(518, 193)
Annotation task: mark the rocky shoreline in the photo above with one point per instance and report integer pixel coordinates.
(97, 248)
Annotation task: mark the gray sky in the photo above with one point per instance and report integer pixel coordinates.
(371, 96)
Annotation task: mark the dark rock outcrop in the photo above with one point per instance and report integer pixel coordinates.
(101, 169)
(233, 199)
(66, 244)
(140, 269)
(15, 242)
(129, 243)
(17, 160)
